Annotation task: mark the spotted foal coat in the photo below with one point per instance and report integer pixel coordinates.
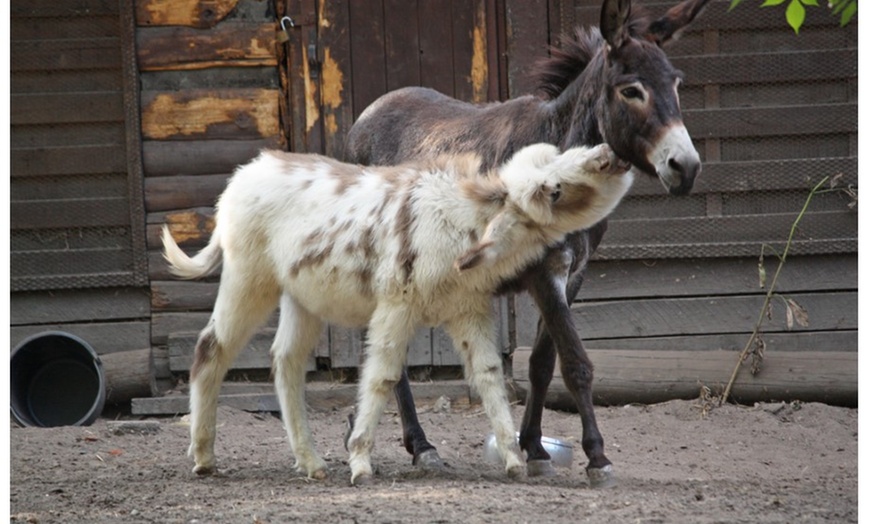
(389, 249)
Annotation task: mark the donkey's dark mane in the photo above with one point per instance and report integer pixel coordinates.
(567, 61)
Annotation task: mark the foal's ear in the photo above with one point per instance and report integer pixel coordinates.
(668, 27)
(495, 242)
(614, 21)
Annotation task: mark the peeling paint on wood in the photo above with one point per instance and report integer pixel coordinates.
(332, 88)
(226, 45)
(186, 226)
(192, 13)
(479, 66)
(206, 113)
(312, 107)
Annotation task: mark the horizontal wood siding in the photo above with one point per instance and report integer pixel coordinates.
(74, 159)
(771, 114)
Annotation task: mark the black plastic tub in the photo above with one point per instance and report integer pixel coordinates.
(57, 380)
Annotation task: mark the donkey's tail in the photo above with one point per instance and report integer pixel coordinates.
(200, 265)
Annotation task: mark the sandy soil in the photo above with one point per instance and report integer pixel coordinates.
(767, 463)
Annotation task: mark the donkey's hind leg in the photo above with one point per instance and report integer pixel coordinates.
(298, 331)
(413, 437)
(237, 313)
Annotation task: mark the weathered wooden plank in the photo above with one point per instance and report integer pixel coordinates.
(367, 53)
(181, 192)
(215, 78)
(71, 160)
(623, 377)
(705, 315)
(402, 43)
(72, 262)
(183, 295)
(190, 227)
(772, 121)
(104, 337)
(65, 81)
(845, 340)
(129, 374)
(607, 280)
(717, 16)
(65, 28)
(436, 47)
(47, 214)
(762, 175)
(257, 397)
(200, 157)
(746, 229)
(70, 8)
(471, 56)
(85, 305)
(230, 44)
(346, 347)
(726, 249)
(192, 13)
(528, 38)
(66, 108)
(255, 356)
(420, 348)
(162, 324)
(66, 55)
(335, 81)
(196, 114)
(751, 68)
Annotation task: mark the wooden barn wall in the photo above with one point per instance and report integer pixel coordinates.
(221, 83)
(771, 114)
(77, 224)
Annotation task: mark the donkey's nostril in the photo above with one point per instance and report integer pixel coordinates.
(676, 166)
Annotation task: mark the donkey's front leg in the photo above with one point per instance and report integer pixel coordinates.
(389, 332)
(473, 336)
(548, 289)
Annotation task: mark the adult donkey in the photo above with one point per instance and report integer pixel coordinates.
(610, 84)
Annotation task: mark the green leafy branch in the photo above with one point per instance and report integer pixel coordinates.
(795, 11)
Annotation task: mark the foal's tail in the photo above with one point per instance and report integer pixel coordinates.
(200, 265)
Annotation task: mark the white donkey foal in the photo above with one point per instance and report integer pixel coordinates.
(391, 248)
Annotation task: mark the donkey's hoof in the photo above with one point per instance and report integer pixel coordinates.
(363, 479)
(517, 472)
(429, 460)
(601, 477)
(202, 471)
(540, 468)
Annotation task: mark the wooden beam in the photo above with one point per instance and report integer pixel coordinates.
(231, 44)
(200, 157)
(183, 192)
(192, 13)
(210, 114)
(629, 376)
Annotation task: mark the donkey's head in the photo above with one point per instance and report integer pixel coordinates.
(543, 194)
(633, 90)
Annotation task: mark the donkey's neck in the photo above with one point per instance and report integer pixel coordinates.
(574, 113)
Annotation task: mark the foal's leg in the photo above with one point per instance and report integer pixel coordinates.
(390, 330)
(548, 288)
(237, 313)
(298, 331)
(473, 336)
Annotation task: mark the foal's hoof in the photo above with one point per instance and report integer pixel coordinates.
(601, 477)
(203, 471)
(363, 479)
(429, 460)
(540, 468)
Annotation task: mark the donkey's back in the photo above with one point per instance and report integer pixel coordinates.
(419, 122)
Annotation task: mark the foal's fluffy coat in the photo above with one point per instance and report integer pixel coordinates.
(391, 248)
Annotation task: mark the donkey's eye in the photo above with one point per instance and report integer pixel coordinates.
(632, 92)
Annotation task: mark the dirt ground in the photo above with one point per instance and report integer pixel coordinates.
(767, 463)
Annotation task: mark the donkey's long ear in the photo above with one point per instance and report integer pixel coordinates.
(614, 21)
(668, 27)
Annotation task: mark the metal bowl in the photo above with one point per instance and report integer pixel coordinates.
(561, 452)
